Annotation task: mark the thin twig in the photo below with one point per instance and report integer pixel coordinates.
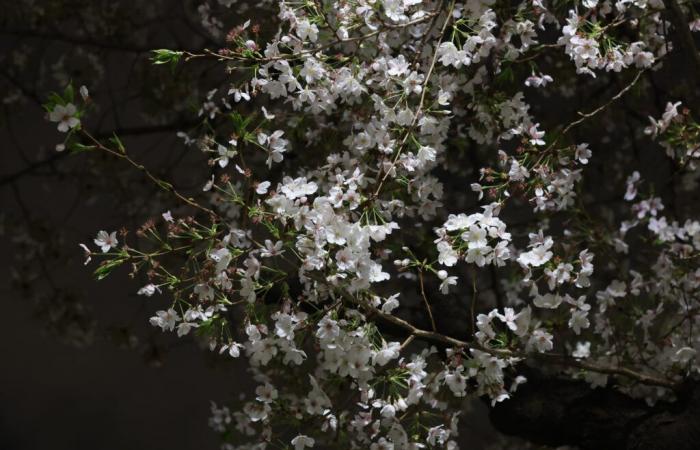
(472, 307)
(207, 52)
(585, 116)
(161, 183)
(420, 104)
(405, 343)
(425, 299)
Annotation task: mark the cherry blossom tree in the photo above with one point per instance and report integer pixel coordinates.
(404, 212)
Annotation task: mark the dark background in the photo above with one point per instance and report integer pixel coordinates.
(81, 368)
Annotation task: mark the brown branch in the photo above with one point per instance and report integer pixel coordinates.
(160, 183)
(421, 103)
(680, 23)
(209, 53)
(57, 156)
(425, 299)
(554, 358)
(585, 116)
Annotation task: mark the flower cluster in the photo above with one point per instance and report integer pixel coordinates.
(478, 238)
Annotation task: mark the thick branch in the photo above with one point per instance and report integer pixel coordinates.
(552, 358)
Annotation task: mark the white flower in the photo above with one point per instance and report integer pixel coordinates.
(390, 304)
(450, 55)
(539, 255)
(148, 290)
(508, 317)
(632, 182)
(387, 353)
(275, 144)
(256, 411)
(517, 172)
(426, 153)
(536, 135)
(517, 323)
(225, 155)
(166, 320)
(88, 253)
(582, 153)
(298, 187)
(234, 349)
(578, 320)
(550, 301)
(483, 323)
(447, 256)
(538, 80)
(305, 30)
(446, 283)
(106, 241)
(248, 290)
(65, 116)
(457, 382)
(271, 249)
(301, 441)
(541, 340)
(266, 393)
(184, 328)
(222, 257)
(261, 188)
(327, 329)
(583, 350)
(560, 275)
(394, 9)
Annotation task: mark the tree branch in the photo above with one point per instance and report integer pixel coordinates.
(553, 358)
(680, 23)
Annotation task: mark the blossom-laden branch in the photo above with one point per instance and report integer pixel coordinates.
(345, 141)
(551, 358)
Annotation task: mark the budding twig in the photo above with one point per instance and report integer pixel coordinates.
(159, 182)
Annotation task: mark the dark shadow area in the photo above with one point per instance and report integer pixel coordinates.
(82, 369)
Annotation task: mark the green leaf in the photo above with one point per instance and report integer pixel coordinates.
(77, 147)
(272, 229)
(164, 185)
(53, 100)
(240, 123)
(69, 93)
(106, 268)
(165, 56)
(118, 143)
